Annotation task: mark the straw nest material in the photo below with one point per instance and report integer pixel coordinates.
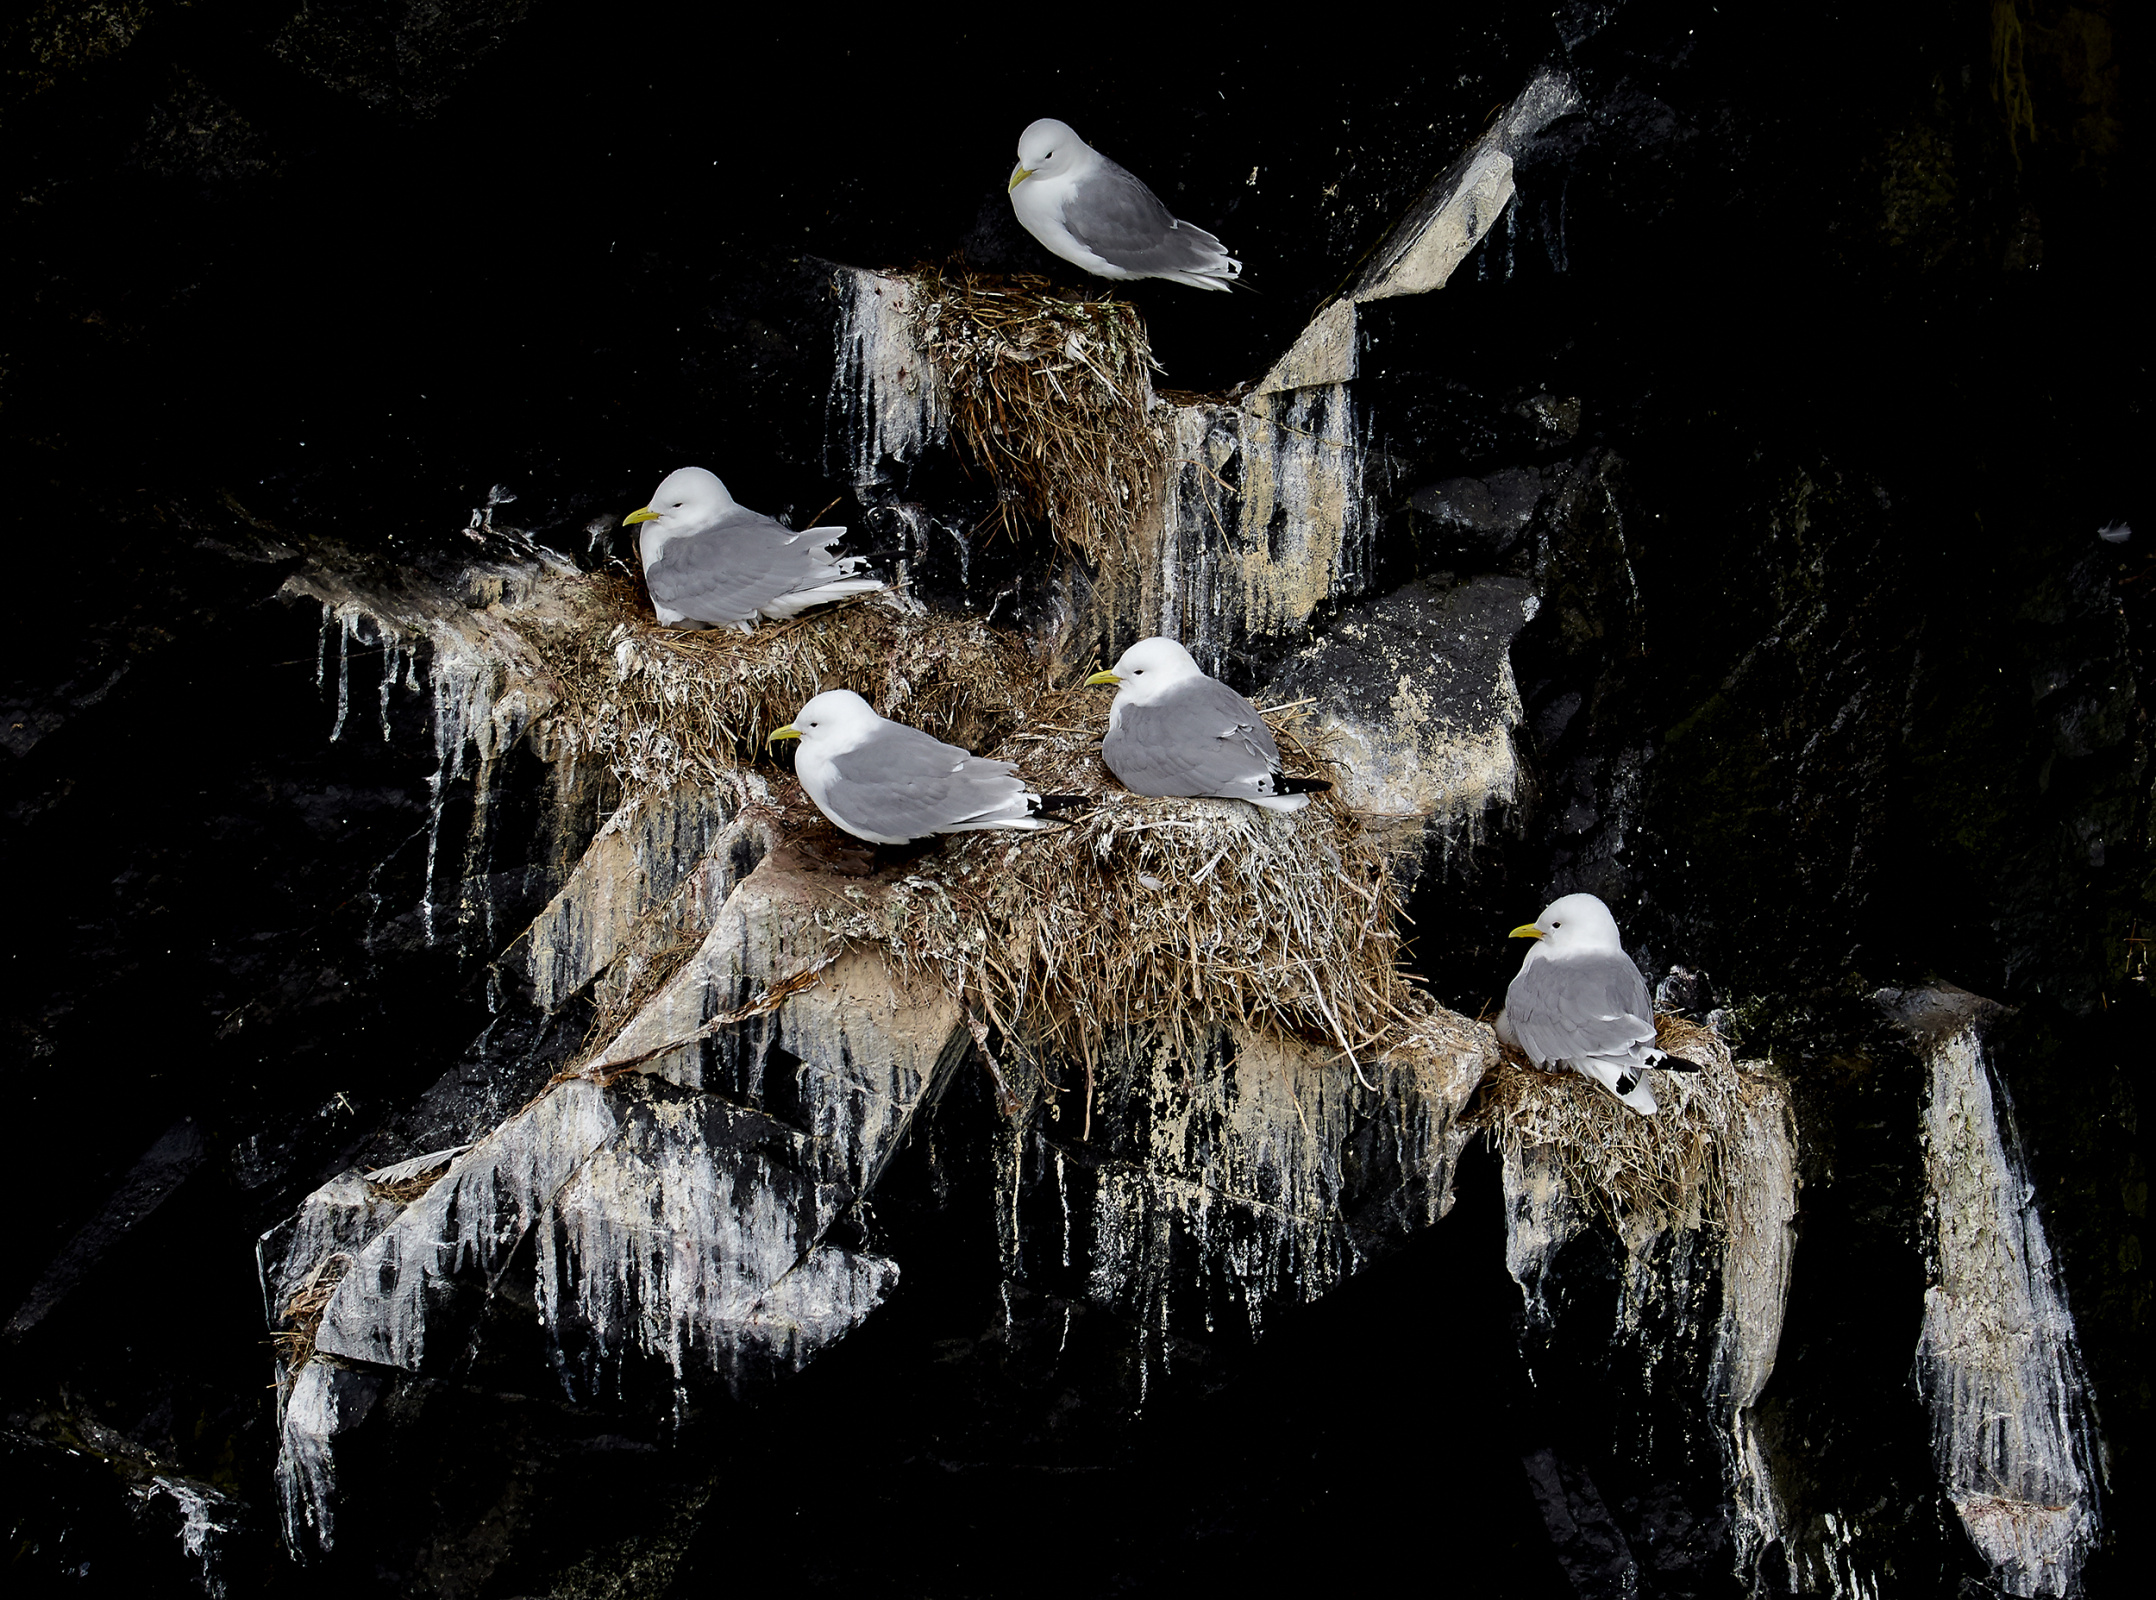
(305, 1309)
(1670, 1169)
(661, 705)
(1171, 913)
(1050, 396)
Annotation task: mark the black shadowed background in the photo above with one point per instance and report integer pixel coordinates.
(1848, 313)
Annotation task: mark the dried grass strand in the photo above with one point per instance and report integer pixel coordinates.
(1672, 1169)
(304, 1311)
(1051, 397)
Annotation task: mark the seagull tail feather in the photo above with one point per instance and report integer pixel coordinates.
(792, 605)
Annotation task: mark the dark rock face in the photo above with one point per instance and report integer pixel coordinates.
(1486, 515)
(1721, 539)
(402, 57)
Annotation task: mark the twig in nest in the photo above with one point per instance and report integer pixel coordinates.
(1050, 396)
(304, 1310)
(1669, 1169)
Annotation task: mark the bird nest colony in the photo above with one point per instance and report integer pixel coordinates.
(1174, 914)
(1162, 913)
(1670, 1169)
(1051, 396)
(660, 705)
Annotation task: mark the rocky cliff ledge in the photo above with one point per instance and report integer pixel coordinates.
(1651, 465)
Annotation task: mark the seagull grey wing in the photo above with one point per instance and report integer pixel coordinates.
(905, 783)
(740, 564)
(1200, 739)
(1119, 219)
(1570, 1010)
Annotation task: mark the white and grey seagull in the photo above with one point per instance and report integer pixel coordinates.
(1174, 731)
(1092, 213)
(710, 561)
(1579, 1002)
(890, 784)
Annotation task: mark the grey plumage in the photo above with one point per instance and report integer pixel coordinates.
(1593, 1004)
(741, 566)
(904, 784)
(1119, 219)
(1174, 731)
(890, 784)
(1579, 1002)
(709, 560)
(1202, 738)
(1100, 216)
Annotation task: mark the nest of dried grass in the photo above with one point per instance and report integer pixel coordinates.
(660, 705)
(405, 1190)
(295, 1344)
(1670, 1169)
(1051, 396)
(1174, 914)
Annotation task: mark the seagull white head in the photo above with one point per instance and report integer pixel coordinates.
(1148, 670)
(686, 499)
(1579, 924)
(1048, 149)
(828, 720)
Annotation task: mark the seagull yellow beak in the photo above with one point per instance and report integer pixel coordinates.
(644, 515)
(1525, 931)
(1102, 680)
(787, 732)
(1018, 176)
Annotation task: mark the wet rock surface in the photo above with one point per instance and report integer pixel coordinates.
(1418, 688)
(1720, 538)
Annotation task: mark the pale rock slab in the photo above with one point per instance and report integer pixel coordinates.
(636, 862)
(1416, 691)
(457, 1238)
(1239, 1173)
(1997, 1362)
(693, 1238)
(1663, 1258)
(1264, 515)
(848, 1059)
(328, 1400)
(341, 1216)
(673, 1202)
(1427, 246)
(887, 403)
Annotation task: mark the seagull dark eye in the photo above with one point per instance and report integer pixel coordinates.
(1557, 924)
(1137, 672)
